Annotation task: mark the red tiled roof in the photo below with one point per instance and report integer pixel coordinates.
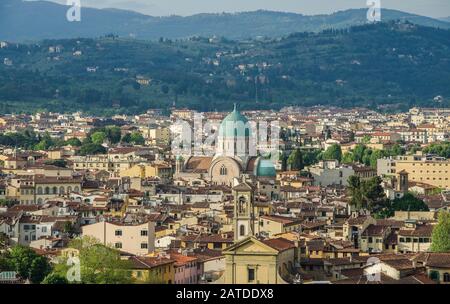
(280, 244)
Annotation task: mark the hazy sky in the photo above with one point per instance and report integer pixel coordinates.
(432, 8)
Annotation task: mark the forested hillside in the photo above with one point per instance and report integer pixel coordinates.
(391, 65)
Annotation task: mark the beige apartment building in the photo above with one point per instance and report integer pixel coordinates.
(430, 170)
(37, 189)
(272, 225)
(113, 164)
(157, 135)
(184, 114)
(162, 170)
(415, 237)
(134, 238)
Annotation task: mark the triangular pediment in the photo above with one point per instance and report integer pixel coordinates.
(243, 187)
(250, 245)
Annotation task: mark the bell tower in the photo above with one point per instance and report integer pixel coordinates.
(244, 219)
(402, 181)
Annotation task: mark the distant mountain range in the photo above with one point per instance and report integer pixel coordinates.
(24, 21)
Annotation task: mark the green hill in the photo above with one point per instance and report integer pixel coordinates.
(394, 65)
(37, 20)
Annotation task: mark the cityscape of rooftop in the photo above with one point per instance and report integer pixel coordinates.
(223, 156)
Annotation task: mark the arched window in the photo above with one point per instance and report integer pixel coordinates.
(55, 190)
(76, 189)
(61, 190)
(242, 205)
(446, 277)
(47, 190)
(223, 170)
(39, 190)
(69, 189)
(39, 200)
(242, 230)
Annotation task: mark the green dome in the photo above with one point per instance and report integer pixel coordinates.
(234, 125)
(265, 168)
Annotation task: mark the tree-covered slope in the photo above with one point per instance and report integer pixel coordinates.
(387, 64)
(37, 20)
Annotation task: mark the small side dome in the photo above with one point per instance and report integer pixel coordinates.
(265, 168)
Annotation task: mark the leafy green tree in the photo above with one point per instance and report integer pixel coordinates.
(354, 187)
(333, 152)
(137, 138)
(126, 138)
(21, 258)
(284, 159)
(376, 155)
(373, 192)
(409, 203)
(396, 150)
(54, 278)
(366, 139)
(75, 142)
(114, 134)
(98, 137)
(45, 143)
(366, 157)
(25, 139)
(39, 269)
(295, 160)
(414, 148)
(86, 140)
(5, 260)
(358, 153)
(62, 163)
(347, 158)
(328, 134)
(69, 228)
(28, 264)
(368, 194)
(441, 149)
(7, 202)
(441, 233)
(92, 149)
(311, 157)
(101, 264)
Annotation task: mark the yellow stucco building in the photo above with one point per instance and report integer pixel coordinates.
(430, 170)
(152, 270)
(161, 170)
